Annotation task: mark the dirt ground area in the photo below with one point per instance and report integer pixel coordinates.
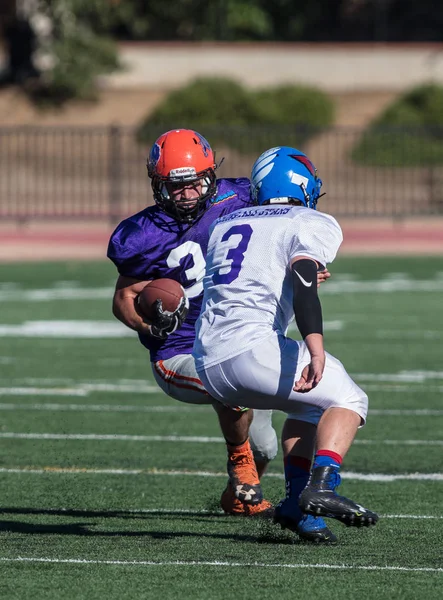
(88, 241)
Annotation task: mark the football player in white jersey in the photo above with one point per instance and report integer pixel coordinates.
(261, 271)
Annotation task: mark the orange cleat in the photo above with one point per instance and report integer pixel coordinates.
(243, 475)
(233, 506)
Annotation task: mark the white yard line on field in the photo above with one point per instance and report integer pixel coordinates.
(69, 381)
(339, 284)
(417, 382)
(196, 563)
(180, 438)
(350, 475)
(81, 389)
(88, 329)
(56, 294)
(67, 329)
(181, 407)
(108, 407)
(418, 389)
(404, 377)
(405, 412)
(33, 391)
(111, 437)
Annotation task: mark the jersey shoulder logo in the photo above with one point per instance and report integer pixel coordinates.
(227, 196)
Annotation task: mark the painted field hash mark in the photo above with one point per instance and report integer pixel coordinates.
(81, 389)
(351, 475)
(163, 408)
(343, 284)
(178, 563)
(179, 407)
(114, 437)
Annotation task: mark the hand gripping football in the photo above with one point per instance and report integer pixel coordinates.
(169, 291)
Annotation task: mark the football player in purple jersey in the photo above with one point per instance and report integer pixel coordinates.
(170, 240)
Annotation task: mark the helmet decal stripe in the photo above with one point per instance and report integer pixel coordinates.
(204, 144)
(264, 164)
(154, 155)
(305, 161)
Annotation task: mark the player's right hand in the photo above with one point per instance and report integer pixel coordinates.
(311, 374)
(166, 322)
(322, 276)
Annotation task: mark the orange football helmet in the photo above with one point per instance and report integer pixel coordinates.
(182, 156)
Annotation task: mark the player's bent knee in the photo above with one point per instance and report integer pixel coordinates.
(362, 408)
(358, 404)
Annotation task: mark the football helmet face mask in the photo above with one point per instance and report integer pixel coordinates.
(285, 175)
(181, 165)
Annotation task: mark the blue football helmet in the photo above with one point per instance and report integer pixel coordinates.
(284, 175)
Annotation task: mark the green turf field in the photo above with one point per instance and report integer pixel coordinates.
(96, 503)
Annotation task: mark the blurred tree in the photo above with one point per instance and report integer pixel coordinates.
(408, 133)
(189, 20)
(279, 20)
(63, 52)
(260, 20)
(58, 47)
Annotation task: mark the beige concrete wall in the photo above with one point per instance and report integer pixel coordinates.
(336, 68)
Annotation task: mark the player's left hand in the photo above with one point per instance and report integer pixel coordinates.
(311, 374)
(322, 276)
(167, 322)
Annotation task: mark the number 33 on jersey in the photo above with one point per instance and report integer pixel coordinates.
(153, 245)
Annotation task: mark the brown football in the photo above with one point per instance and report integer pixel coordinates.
(169, 291)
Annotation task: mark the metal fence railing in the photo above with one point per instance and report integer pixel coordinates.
(100, 173)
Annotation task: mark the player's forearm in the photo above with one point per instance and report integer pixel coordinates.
(314, 342)
(306, 303)
(124, 309)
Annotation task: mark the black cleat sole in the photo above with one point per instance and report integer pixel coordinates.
(349, 516)
(320, 499)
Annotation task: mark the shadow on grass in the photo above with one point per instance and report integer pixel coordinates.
(82, 529)
(108, 514)
(264, 530)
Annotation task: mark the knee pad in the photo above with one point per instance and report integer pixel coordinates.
(262, 435)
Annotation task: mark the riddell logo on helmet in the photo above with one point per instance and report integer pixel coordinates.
(180, 172)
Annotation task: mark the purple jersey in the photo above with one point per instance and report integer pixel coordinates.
(152, 245)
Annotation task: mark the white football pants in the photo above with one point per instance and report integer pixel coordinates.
(264, 377)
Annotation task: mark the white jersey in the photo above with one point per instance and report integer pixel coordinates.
(248, 291)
